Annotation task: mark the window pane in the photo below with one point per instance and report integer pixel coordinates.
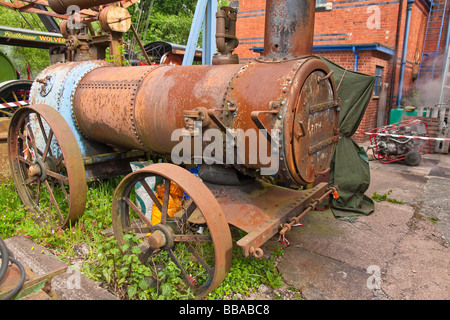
(378, 79)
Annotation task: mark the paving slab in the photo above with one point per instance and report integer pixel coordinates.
(397, 252)
(70, 285)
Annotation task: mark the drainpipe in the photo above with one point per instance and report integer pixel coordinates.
(394, 69)
(405, 49)
(356, 58)
(445, 65)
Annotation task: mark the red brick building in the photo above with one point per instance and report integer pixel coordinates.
(363, 36)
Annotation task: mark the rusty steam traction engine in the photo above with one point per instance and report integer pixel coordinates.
(87, 115)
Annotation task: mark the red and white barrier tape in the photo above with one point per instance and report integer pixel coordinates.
(13, 104)
(406, 137)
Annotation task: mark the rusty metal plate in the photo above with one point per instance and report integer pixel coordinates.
(314, 126)
(260, 208)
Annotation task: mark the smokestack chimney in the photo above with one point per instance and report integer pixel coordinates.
(289, 30)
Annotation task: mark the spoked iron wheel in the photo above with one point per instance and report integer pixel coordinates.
(196, 238)
(47, 165)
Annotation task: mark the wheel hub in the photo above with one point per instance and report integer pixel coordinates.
(161, 237)
(39, 168)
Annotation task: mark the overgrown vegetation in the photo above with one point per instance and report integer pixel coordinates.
(384, 197)
(99, 257)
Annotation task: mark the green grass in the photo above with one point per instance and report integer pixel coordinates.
(104, 262)
(385, 197)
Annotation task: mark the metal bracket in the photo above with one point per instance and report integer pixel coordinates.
(197, 114)
(326, 77)
(255, 117)
(323, 106)
(212, 115)
(321, 145)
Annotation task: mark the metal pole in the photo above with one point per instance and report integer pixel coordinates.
(209, 33)
(197, 22)
(405, 49)
(446, 65)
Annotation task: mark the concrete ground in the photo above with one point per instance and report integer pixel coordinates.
(400, 251)
(68, 285)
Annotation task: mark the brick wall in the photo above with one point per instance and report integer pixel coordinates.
(250, 27)
(352, 22)
(357, 22)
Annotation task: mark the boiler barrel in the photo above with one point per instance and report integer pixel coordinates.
(140, 107)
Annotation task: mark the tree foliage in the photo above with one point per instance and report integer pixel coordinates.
(169, 21)
(37, 59)
(175, 7)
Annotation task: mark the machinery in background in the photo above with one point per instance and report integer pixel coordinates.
(403, 141)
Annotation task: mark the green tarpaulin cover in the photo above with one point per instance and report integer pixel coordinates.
(350, 165)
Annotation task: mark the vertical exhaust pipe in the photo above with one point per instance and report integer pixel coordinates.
(289, 29)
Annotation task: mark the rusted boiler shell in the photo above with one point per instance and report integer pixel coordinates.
(140, 107)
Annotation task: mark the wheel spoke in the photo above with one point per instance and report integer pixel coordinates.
(151, 194)
(200, 259)
(27, 139)
(165, 206)
(38, 192)
(146, 255)
(47, 145)
(15, 96)
(187, 278)
(58, 176)
(30, 180)
(22, 159)
(6, 112)
(41, 125)
(33, 140)
(190, 209)
(137, 211)
(64, 191)
(53, 200)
